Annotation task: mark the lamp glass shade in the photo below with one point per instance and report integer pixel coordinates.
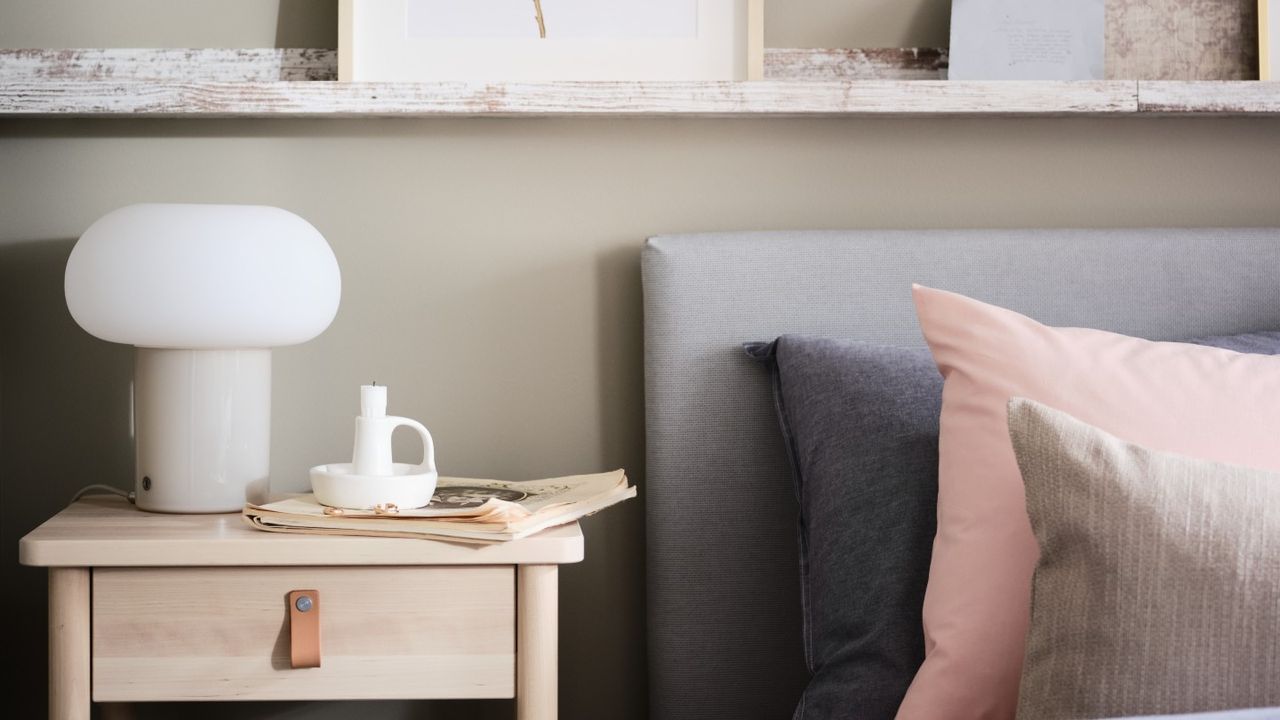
(204, 291)
(203, 277)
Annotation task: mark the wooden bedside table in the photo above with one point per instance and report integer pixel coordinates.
(148, 606)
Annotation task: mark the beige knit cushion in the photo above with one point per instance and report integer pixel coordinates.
(1158, 585)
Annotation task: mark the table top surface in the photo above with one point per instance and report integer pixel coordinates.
(110, 532)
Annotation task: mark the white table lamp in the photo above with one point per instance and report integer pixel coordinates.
(204, 291)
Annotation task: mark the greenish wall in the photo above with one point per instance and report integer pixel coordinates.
(491, 270)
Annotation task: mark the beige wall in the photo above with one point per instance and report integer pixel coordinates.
(491, 273)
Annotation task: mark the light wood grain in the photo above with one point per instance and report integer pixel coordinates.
(769, 98)
(755, 40)
(222, 633)
(537, 643)
(1209, 97)
(109, 532)
(69, 644)
(869, 64)
(174, 64)
(1267, 45)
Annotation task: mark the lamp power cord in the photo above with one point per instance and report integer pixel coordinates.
(100, 489)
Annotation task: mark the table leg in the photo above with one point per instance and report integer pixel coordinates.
(537, 627)
(69, 644)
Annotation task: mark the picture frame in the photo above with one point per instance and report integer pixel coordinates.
(1269, 40)
(549, 40)
(1181, 40)
(1027, 40)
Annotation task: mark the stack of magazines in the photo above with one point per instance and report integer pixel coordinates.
(462, 510)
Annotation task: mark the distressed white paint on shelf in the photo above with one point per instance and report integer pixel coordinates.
(292, 83)
(759, 98)
(1210, 97)
(187, 64)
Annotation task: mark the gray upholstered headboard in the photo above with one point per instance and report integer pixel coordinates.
(724, 627)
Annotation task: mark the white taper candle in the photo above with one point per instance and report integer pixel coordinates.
(373, 400)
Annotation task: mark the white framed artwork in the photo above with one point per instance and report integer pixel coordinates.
(545, 40)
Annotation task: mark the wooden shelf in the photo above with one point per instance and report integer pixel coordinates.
(801, 83)
(60, 98)
(1174, 97)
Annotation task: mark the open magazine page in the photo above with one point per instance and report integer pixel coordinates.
(530, 495)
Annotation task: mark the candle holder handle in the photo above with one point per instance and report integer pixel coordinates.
(428, 463)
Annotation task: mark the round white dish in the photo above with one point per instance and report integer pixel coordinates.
(408, 487)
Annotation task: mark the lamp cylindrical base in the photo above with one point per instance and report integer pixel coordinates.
(202, 428)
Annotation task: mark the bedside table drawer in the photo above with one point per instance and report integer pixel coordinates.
(223, 633)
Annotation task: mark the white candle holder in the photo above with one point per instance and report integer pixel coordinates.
(372, 479)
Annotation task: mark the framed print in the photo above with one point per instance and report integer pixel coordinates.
(1181, 40)
(544, 40)
(1027, 39)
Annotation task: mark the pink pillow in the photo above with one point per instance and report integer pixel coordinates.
(1171, 397)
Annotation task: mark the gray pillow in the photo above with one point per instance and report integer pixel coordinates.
(861, 427)
(1158, 584)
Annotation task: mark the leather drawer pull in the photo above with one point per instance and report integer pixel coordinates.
(304, 629)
